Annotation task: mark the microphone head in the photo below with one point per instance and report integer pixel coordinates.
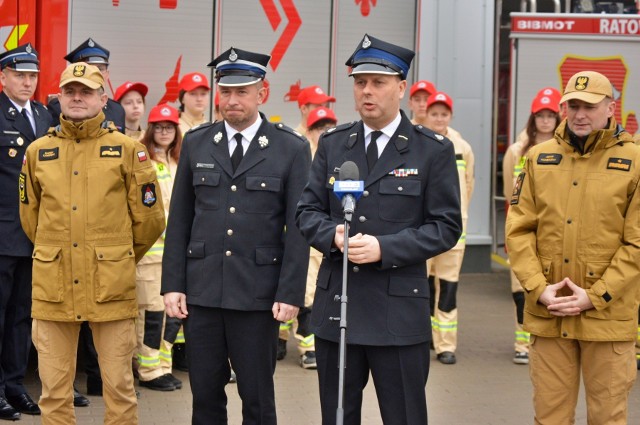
(349, 171)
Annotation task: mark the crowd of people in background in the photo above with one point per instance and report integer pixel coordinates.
(170, 178)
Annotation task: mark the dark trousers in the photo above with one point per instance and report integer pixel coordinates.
(249, 339)
(15, 323)
(399, 374)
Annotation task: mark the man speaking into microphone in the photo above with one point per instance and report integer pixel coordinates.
(409, 211)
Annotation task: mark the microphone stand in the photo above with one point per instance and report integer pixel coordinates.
(348, 212)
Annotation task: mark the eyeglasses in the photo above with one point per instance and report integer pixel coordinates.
(163, 128)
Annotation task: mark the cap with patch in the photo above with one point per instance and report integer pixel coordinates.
(23, 58)
(440, 97)
(374, 56)
(237, 67)
(89, 52)
(320, 114)
(193, 80)
(164, 112)
(550, 92)
(83, 73)
(541, 102)
(129, 86)
(588, 86)
(314, 95)
(424, 85)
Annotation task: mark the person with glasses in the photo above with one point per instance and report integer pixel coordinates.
(156, 332)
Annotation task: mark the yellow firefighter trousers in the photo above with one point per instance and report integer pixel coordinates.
(57, 344)
(608, 371)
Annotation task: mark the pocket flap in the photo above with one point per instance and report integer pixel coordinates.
(114, 252)
(206, 178)
(407, 286)
(396, 186)
(146, 175)
(195, 249)
(46, 253)
(269, 184)
(595, 270)
(269, 255)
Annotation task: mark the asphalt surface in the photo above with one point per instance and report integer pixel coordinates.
(483, 388)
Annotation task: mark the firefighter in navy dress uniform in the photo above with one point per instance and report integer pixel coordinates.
(21, 122)
(409, 212)
(94, 54)
(234, 262)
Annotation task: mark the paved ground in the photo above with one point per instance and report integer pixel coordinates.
(483, 388)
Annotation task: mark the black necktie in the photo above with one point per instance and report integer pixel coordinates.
(372, 149)
(236, 156)
(25, 114)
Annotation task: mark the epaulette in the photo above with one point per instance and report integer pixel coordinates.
(106, 125)
(199, 127)
(290, 130)
(53, 131)
(429, 133)
(341, 127)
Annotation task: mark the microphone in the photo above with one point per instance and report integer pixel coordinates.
(348, 188)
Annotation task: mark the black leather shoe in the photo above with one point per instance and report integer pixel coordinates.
(447, 357)
(94, 386)
(79, 400)
(175, 381)
(281, 352)
(7, 412)
(24, 404)
(161, 383)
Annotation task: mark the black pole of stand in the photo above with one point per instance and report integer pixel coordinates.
(343, 321)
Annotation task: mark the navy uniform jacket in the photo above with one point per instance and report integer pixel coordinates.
(231, 239)
(411, 204)
(16, 135)
(113, 112)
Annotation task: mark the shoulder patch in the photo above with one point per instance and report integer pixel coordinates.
(22, 187)
(619, 164)
(549, 158)
(148, 194)
(517, 188)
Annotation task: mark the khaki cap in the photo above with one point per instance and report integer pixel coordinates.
(83, 73)
(588, 86)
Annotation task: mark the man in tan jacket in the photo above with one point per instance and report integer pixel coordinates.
(573, 234)
(89, 203)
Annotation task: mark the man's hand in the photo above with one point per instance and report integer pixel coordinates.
(338, 238)
(570, 305)
(283, 312)
(175, 304)
(364, 249)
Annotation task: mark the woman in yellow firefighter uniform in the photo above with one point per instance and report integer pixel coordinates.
(573, 234)
(540, 126)
(156, 331)
(444, 269)
(90, 204)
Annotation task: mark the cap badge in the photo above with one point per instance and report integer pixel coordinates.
(263, 142)
(233, 56)
(322, 113)
(196, 78)
(366, 42)
(545, 100)
(319, 90)
(91, 43)
(422, 85)
(217, 137)
(78, 70)
(28, 48)
(581, 83)
(165, 112)
(440, 97)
